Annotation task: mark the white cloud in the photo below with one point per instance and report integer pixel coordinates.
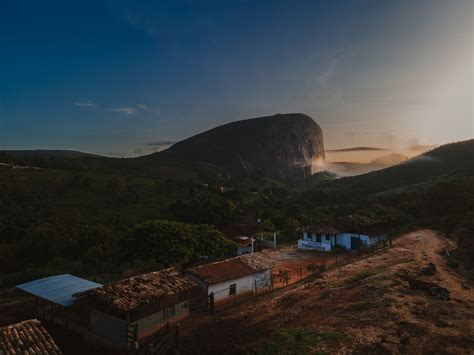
(85, 103)
(148, 109)
(125, 110)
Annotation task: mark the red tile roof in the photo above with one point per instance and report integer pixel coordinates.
(232, 268)
(129, 294)
(27, 337)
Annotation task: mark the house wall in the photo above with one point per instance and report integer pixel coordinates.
(111, 329)
(325, 238)
(344, 239)
(244, 285)
(243, 250)
(268, 244)
(310, 245)
(154, 322)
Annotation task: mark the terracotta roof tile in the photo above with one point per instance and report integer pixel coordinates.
(232, 268)
(27, 337)
(129, 294)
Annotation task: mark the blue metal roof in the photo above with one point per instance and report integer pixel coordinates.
(58, 289)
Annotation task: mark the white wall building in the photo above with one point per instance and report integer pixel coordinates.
(234, 277)
(351, 233)
(326, 242)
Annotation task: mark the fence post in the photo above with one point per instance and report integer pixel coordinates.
(255, 282)
(211, 302)
(177, 336)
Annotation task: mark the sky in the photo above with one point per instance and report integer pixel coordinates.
(124, 78)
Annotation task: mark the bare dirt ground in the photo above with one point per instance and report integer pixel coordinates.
(295, 263)
(365, 307)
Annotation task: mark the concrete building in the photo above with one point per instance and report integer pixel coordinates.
(235, 277)
(350, 233)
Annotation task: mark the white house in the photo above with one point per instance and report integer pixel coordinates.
(234, 277)
(351, 233)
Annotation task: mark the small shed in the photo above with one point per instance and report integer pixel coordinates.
(234, 277)
(248, 237)
(55, 299)
(27, 337)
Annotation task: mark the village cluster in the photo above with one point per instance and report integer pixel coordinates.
(130, 315)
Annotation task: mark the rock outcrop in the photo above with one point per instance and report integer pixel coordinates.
(283, 146)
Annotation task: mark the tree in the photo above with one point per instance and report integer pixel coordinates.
(170, 242)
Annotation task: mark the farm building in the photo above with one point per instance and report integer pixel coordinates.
(134, 309)
(248, 238)
(55, 300)
(122, 314)
(27, 337)
(350, 233)
(234, 277)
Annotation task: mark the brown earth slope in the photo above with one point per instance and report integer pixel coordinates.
(364, 307)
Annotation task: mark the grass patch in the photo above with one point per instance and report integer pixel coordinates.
(361, 306)
(300, 340)
(362, 275)
(325, 294)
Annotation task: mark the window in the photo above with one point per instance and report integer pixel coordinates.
(232, 289)
(318, 238)
(328, 237)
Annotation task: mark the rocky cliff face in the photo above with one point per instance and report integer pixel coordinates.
(283, 146)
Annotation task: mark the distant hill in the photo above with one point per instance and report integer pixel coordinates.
(48, 153)
(448, 160)
(283, 146)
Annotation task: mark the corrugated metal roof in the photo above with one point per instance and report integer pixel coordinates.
(27, 337)
(58, 289)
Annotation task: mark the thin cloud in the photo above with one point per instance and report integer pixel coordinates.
(129, 111)
(146, 108)
(160, 143)
(421, 147)
(325, 75)
(85, 103)
(355, 149)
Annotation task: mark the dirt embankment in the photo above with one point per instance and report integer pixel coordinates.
(364, 307)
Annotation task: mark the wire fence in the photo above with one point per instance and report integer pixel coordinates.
(280, 277)
(297, 271)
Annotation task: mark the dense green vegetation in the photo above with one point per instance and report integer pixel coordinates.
(68, 216)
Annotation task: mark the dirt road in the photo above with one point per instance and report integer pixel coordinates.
(363, 307)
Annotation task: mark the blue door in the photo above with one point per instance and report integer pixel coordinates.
(354, 243)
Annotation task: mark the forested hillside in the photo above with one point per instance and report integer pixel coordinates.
(84, 220)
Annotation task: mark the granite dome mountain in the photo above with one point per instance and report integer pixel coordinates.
(282, 146)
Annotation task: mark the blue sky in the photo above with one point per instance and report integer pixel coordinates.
(112, 77)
